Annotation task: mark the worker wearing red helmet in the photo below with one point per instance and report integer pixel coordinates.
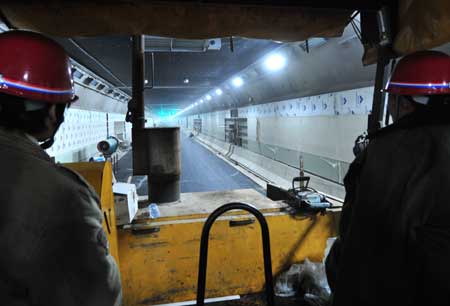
(394, 244)
(53, 248)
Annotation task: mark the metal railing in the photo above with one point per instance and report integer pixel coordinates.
(204, 250)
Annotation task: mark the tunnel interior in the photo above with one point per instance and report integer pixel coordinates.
(275, 102)
(253, 106)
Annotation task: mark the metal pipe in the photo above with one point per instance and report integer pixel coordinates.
(138, 82)
(377, 115)
(107, 125)
(204, 250)
(108, 146)
(153, 71)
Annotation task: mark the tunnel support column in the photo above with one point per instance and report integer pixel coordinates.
(136, 110)
(137, 107)
(156, 151)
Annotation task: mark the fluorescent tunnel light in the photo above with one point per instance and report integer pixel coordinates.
(238, 82)
(275, 62)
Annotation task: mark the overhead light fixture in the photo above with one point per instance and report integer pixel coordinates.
(201, 101)
(219, 91)
(186, 81)
(196, 104)
(146, 82)
(275, 62)
(237, 82)
(208, 97)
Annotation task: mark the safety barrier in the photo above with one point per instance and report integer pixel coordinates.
(273, 171)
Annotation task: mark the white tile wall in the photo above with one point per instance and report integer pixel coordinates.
(83, 128)
(335, 118)
(349, 102)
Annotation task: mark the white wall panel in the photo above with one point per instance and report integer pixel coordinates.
(364, 98)
(325, 125)
(81, 131)
(346, 102)
(327, 102)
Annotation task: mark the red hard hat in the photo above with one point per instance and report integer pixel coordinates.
(35, 67)
(421, 73)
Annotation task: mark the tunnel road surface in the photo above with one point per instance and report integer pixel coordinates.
(201, 170)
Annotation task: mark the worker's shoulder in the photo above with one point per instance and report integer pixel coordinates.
(72, 180)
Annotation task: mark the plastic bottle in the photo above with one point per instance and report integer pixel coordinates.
(153, 211)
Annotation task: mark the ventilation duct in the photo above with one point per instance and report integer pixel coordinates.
(77, 74)
(87, 80)
(163, 44)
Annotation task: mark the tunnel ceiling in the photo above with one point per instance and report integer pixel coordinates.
(110, 58)
(90, 23)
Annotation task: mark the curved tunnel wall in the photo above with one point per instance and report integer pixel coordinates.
(334, 66)
(315, 107)
(320, 128)
(87, 122)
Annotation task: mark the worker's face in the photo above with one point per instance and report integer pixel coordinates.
(399, 106)
(53, 121)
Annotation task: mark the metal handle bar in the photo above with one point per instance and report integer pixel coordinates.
(204, 250)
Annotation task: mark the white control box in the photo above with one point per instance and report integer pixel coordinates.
(125, 202)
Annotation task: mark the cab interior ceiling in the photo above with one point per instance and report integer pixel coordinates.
(97, 34)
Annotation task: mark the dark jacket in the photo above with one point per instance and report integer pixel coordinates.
(53, 250)
(394, 246)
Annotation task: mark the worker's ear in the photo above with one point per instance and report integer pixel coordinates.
(51, 119)
(56, 115)
(406, 106)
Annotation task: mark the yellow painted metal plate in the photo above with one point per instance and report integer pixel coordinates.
(162, 267)
(200, 204)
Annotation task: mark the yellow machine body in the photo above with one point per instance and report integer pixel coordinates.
(162, 267)
(159, 258)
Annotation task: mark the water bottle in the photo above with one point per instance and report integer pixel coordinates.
(153, 211)
(314, 198)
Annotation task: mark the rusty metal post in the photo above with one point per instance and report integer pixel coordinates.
(385, 33)
(136, 106)
(164, 164)
(138, 57)
(156, 152)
